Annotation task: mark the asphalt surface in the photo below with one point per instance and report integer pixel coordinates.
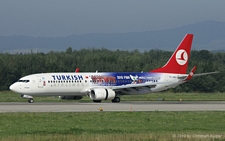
(122, 106)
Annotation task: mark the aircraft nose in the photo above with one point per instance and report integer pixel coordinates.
(13, 87)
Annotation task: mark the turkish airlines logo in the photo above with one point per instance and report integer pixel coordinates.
(181, 57)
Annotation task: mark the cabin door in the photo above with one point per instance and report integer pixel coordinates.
(41, 82)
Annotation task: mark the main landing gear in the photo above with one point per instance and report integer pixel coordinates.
(97, 101)
(116, 100)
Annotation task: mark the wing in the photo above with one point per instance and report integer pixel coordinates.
(136, 88)
(132, 86)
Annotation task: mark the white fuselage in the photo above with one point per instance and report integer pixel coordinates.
(79, 84)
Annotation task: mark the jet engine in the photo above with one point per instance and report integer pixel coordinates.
(71, 97)
(102, 94)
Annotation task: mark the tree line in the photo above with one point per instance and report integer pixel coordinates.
(15, 66)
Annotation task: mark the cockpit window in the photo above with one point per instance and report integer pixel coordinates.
(24, 81)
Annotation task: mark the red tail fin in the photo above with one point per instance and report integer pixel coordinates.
(178, 62)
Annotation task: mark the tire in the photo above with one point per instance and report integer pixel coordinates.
(31, 100)
(116, 100)
(97, 101)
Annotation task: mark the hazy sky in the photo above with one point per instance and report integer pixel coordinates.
(57, 18)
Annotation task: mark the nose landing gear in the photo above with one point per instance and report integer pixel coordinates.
(30, 98)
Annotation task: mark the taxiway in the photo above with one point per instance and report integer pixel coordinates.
(123, 106)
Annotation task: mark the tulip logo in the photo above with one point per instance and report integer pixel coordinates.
(181, 57)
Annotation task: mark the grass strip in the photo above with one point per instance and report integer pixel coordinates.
(8, 96)
(113, 126)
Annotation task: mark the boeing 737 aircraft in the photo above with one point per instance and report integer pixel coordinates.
(110, 85)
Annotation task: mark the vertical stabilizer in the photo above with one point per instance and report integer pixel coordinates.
(178, 62)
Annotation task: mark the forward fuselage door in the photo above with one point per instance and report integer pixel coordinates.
(41, 81)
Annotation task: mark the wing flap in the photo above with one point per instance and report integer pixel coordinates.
(134, 88)
(149, 85)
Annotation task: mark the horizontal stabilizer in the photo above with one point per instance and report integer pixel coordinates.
(200, 74)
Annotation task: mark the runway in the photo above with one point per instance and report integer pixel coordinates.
(123, 106)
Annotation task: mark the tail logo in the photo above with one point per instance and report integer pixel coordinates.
(181, 57)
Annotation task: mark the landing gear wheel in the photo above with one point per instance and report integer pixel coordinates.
(116, 100)
(31, 100)
(97, 101)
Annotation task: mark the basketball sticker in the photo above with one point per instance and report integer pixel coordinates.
(181, 57)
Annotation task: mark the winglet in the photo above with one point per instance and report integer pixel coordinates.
(190, 75)
(77, 70)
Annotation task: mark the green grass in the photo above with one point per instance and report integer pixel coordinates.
(110, 125)
(101, 126)
(8, 96)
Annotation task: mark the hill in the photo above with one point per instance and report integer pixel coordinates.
(209, 35)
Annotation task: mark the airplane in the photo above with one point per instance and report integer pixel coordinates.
(110, 85)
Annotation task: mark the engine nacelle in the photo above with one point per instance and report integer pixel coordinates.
(71, 97)
(102, 94)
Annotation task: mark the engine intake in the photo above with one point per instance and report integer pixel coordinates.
(102, 94)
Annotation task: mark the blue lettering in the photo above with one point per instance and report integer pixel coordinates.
(80, 77)
(53, 77)
(63, 77)
(58, 77)
(72, 77)
(75, 77)
(68, 77)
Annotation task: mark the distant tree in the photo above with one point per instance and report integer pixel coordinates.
(14, 66)
(69, 50)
